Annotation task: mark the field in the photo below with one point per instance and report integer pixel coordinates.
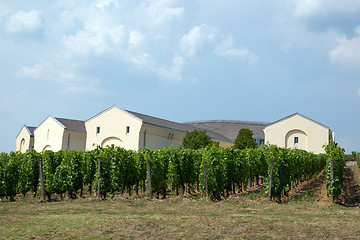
(305, 214)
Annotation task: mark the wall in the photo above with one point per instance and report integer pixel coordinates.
(77, 140)
(113, 123)
(28, 141)
(312, 135)
(54, 141)
(159, 137)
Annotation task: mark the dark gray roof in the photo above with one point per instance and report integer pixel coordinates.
(72, 125)
(177, 126)
(229, 128)
(31, 130)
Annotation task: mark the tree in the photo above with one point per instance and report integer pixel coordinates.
(244, 139)
(197, 139)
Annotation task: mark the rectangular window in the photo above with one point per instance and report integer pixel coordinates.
(97, 131)
(296, 140)
(68, 146)
(127, 130)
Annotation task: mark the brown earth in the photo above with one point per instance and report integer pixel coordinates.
(351, 189)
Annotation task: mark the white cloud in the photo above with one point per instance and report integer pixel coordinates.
(36, 71)
(206, 37)
(65, 75)
(305, 8)
(226, 49)
(196, 39)
(158, 13)
(105, 3)
(135, 39)
(173, 72)
(95, 40)
(347, 50)
(24, 21)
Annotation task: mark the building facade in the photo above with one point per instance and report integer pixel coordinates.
(298, 131)
(59, 134)
(25, 139)
(131, 130)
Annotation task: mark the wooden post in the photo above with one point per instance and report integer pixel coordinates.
(42, 181)
(332, 179)
(98, 174)
(206, 180)
(270, 178)
(149, 178)
(249, 179)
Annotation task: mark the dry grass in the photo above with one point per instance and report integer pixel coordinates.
(177, 218)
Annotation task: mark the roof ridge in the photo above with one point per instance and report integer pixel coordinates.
(184, 127)
(229, 121)
(69, 119)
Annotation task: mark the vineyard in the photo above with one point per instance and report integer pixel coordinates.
(213, 172)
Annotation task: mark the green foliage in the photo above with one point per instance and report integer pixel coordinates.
(337, 154)
(358, 159)
(197, 139)
(122, 170)
(29, 172)
(9, 174)
(244, 139)
(215, 169)
(290, 165)
(159, 162)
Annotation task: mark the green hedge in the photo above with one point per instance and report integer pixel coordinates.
(228, 170)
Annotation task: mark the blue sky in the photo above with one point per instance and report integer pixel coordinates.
(181, 60)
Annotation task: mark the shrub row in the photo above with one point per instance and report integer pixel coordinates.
(224, 170)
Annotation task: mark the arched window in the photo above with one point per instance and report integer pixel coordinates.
(22, 145)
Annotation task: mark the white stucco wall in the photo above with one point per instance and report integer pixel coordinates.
(24, 141)
(159, 137)
(113, 124)
(76, 141)
(49, 135)
(311, 135)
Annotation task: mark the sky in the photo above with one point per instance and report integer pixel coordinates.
(186, 60)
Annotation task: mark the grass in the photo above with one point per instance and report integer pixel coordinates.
(177, 218)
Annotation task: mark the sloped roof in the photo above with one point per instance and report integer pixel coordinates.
(230, 129)
(290, 116)
(177, 126)
(30, 130)
(72, 125)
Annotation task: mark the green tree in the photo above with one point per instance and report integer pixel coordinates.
(244, 139)
(197, 139)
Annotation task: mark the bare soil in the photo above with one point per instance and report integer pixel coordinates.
(351, 190)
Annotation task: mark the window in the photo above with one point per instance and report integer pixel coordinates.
(97, 131)
(127, 130)
(262, 141)
(68, 145)
(296, 141)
